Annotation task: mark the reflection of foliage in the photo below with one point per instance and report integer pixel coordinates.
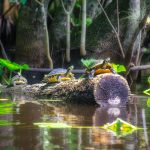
(148, 102)
(120, 127)
(6, 108)
(51, 125)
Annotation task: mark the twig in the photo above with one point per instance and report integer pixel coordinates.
(118, 39)
(142, 67)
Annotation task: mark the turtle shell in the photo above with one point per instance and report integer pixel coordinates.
(58, 71)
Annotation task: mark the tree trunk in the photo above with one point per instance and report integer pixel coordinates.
(83, 30)
(32, 43)
(68, 38)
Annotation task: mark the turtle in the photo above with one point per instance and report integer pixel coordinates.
(96, 67)
(58, 75)
(19, 80)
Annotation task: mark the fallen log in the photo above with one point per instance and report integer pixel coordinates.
(104, 89)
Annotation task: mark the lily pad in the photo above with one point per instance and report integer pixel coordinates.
(120, 127)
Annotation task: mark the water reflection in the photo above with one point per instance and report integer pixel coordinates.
(82, 118)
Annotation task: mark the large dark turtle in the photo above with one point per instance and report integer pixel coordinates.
(59, 74)
(95, 67)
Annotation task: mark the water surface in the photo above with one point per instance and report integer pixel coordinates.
(73, 127)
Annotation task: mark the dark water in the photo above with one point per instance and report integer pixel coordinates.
(73, 127)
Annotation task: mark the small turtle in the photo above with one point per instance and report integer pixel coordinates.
(19, 80)
(96, 67)
(58, 75)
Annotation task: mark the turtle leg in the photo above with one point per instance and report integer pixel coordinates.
(59, 78)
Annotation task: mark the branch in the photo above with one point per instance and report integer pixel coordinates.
(118, 39)
(142, 67)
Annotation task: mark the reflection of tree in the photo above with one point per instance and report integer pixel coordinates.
(27, 138)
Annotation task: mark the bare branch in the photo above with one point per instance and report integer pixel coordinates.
(117, 36)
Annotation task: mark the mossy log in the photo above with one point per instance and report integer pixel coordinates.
(102, 89)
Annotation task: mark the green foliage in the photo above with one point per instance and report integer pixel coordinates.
(78, 4)
(23, 2)
(88, 63)
(148, 102)
(88, 21)
(12, 66)
(119, 68)
(148, 80)
(147, 51)
(147, 92)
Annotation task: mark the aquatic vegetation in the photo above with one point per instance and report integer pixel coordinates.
(51, 125)
(148, 102)
(120, 128)
(7, 108)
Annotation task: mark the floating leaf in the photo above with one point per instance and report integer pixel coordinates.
(148, 102)
(51, 125)
(119, 68)
(120, 127)
(147, 92)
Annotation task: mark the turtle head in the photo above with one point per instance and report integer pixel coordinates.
(107, 60)
(70, 68)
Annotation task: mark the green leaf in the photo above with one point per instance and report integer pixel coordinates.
(88, 21)
(147, 92)
(88, 62)
(148, 102)
(119, 68)
(23, 2)
(148, 80)
(147, 51)
(78, 4)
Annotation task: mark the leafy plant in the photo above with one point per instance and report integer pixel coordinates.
(11, 66)
(88, 63)
(119, 68)
(147, 92)
(148, 102)
(88, 21)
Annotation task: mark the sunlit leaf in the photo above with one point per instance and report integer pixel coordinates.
(148, 102)
(88, 62)
(4, 99)
(88, 21)
(12, 66)
(119, 68)
(120, 127)
(51, 125)
(148, 20)
(148, 80)
(147, 92)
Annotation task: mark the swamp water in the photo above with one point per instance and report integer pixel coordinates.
(26, 124)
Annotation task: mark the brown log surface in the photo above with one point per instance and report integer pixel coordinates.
(86, 91)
